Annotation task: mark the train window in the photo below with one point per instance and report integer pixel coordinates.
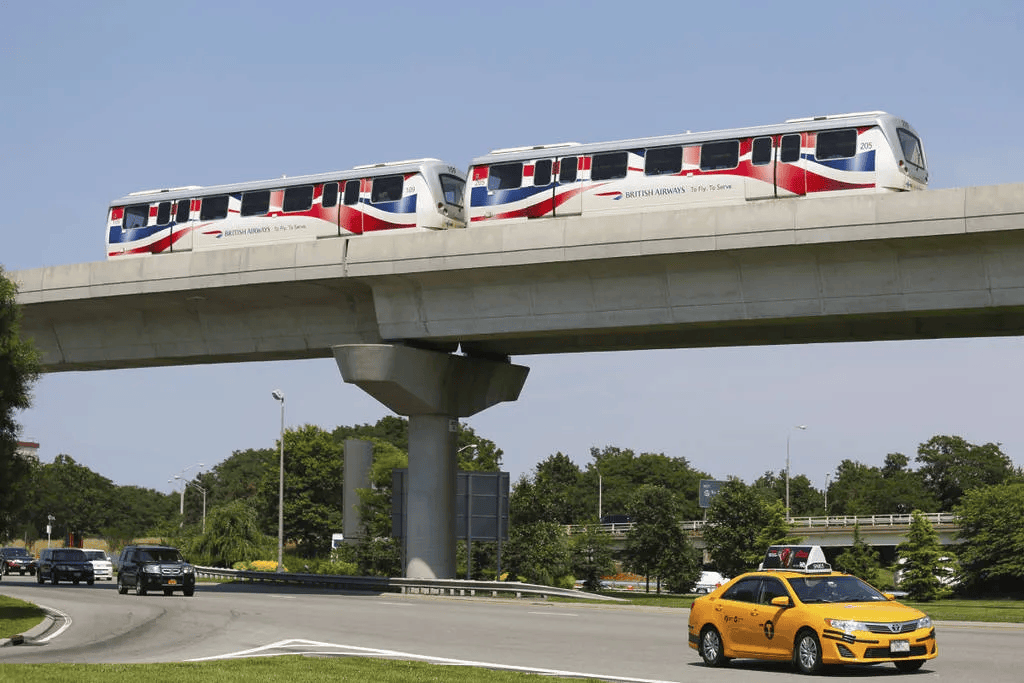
(567, 170)
(761, 152)
(330, 197)
(789, 152)
(351, 197)
(255, 203)
(182, 211)
(715, 156)
(836, 144)
(297, 199)
(609, 166)
(163, 213)
(387, 189)
(214, 208)
(452, 187)
(912, 151)
(135, 216)
(662, 160)
(505, 177)
(542, 173)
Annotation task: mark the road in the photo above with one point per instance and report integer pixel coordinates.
(610, 642)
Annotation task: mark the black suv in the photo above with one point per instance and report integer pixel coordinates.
(64, 564)
(17, 560)
(154, 567)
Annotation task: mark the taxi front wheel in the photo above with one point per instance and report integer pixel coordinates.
(711, 650)
(807, 653)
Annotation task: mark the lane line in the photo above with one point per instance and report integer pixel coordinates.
(300, 646)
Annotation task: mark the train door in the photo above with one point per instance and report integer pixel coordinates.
(760, 181)
(568, 187)
(790, 169)
(350, 215)
(178, 214)
(555, 179)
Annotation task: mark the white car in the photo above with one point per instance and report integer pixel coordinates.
(102, 567)
(708, 582)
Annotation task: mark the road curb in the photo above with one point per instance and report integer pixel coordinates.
(49, 619)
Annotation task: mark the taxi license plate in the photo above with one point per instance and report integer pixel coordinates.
(173, 581)
(899, 646)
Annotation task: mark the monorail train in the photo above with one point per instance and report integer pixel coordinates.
(867, 152)
(819, 156)
(422, 194)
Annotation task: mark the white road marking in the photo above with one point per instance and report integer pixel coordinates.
(554, 614)
(67, 623)
(305, 647)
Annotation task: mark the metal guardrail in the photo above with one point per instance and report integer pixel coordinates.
(383, 584)
(832, 521)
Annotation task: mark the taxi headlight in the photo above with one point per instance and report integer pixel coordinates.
(924, 622)
(846, 625)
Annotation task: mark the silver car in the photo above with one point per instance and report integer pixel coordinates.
(102, 567)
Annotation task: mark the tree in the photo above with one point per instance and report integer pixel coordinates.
(232, 535)
(550, 495)
(623, 472)
(538, 552)
(313, 471)
(656, 544)
(19, 369)
(591, 556)
(951, 466)
(923, 560)
(742, 522)
(860, 489)
(861, 559)
(991, 549)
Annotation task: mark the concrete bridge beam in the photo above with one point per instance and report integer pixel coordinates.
(433, 390)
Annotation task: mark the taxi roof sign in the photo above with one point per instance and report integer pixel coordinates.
(796, 558)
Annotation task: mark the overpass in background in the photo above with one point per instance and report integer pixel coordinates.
(427, 322)
(834, 531)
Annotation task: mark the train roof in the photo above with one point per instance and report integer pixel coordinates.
(789, 126)
(366, 170)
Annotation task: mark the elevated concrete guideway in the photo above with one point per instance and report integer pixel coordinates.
(392, 308)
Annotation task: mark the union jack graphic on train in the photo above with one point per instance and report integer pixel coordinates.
(797, 159)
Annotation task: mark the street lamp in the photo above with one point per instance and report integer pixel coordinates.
(181, 509)
(278, 396)
(826, 496)
(201, 490)
(801, 427)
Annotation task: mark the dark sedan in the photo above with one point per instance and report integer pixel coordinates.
(18, 560)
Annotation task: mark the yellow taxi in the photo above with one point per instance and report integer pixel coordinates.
(795, 608)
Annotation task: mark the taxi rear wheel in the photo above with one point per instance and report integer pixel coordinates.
(711, 649)
(807, 653)
(909, 666)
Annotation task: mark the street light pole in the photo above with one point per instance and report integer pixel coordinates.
(826, 495)
(201, 490)
(801, 427)
(280, 489)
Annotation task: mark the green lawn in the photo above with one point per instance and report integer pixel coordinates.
(17, 616)
(291, 668)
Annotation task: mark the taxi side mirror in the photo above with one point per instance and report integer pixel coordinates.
(782, 601)
(889, 596)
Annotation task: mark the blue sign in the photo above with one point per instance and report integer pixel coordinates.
(708, 490)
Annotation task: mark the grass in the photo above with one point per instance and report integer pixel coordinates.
(291, 668)
(17, 616)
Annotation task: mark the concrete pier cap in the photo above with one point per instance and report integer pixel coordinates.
(433, 389)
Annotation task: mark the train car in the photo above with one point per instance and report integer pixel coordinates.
(421, 194)
(823, 155)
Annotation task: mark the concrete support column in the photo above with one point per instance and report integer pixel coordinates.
(358, 461)
(433, 390)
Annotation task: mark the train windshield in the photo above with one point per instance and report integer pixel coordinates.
(911, 145)
(452, 187)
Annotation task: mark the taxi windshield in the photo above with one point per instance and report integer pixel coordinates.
(821, 589)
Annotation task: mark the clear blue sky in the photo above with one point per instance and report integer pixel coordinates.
(105, 98)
